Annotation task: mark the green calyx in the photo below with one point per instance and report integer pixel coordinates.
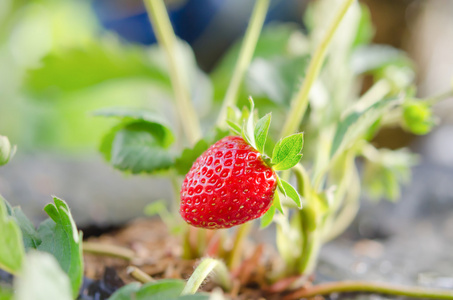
(285, 154)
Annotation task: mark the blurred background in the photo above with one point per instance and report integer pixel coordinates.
(60, 60)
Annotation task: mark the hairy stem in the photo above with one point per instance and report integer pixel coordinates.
(245, 57)
(108, 250)
(369, 287)
(348, 211)
(167, 39)
(203, 270)
(300, 102)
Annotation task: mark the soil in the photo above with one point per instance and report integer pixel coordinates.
(158, 254)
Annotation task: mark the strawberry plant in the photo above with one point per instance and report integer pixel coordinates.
(228, 165)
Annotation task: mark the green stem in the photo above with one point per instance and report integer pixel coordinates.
(245, 57)
(203, 270)
(369, 287)
(311, 234)
(303, 180)
(300, 101)
(310, 250)
(349, 209)
(235, 254)
(438, 98)
(167, 39)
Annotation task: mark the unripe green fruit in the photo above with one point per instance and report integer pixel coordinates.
(418, 118)
(5, 150)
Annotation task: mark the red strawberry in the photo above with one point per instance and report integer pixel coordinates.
(228, 185)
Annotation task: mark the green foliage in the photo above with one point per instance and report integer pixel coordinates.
(165, 289)
(139, 143)
(385, 170)
(261, 131)
(57, 235)
(186, 159)
(372, 58)
(291, 192)
(12, 251)
(6, 293)
(355, 124)
(276, 78)
(286, 152)
(85, 72)
(82, 67)
(277, 203)
(43, 279)
(60, 238)
(162, 289)
(365, 30)
(30, 236)
(184, 162)
(268, 217)
(126, 292)
(130, 116)
(137, 150)
(273, 42)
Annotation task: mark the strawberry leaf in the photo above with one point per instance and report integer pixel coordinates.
(42, 278)
(60, 238)
(12, 250)
(288, 163)
(184, 162)
(137, 150)
(358, 121)
(286, 152)
(162, 289)
(188, 156)
(129, 115)
(276, 203)
(29, 234)
(267, 218)
(98, 62)
(261, 130)
(139, 143)
(291, 192)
